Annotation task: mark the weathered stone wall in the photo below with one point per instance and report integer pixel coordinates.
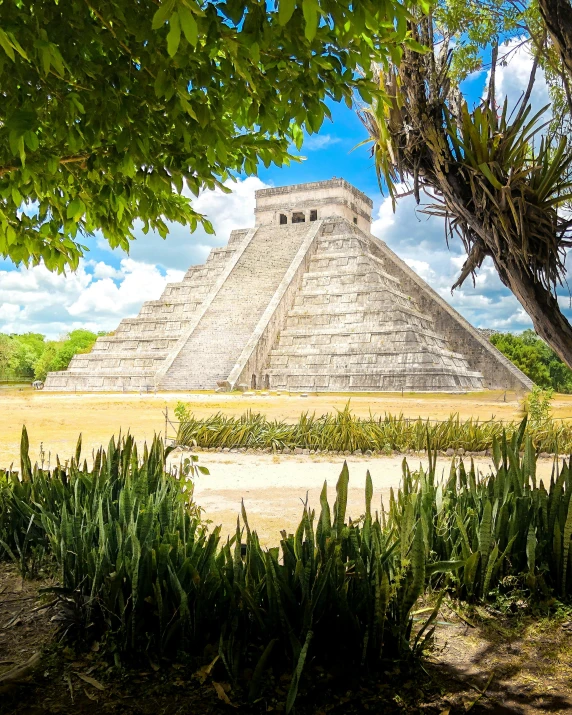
(497, 370)
(329, 198)
(352, 328)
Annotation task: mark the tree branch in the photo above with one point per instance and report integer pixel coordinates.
(526, 97)
(491, 89)
(109, 27)
(66, 160)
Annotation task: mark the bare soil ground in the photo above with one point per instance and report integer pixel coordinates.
(482, 661)
(274, 487)
(55, 419)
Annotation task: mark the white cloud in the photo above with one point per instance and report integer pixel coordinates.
(138, 282)
(420, 241)
(33, 299)
(512, 80)
(98, 295)
(422, 268)
(316, 142)
(103, 270)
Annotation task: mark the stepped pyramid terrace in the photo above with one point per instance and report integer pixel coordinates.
(308, 299)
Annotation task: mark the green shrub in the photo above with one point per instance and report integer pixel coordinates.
(138, 568)
(487, 528)
(536, 406)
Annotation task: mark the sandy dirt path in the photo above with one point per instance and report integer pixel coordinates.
(274, 487)
(56, 419)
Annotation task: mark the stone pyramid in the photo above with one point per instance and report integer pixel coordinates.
(308, 299)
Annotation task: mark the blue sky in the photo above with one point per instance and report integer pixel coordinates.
(109, 285)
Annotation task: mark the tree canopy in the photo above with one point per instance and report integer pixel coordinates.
(111, 110)
(30, 355)
(533, 356)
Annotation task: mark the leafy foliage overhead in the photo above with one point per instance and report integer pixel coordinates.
(110, 108)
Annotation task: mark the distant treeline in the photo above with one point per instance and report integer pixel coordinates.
(30, 356)
(533, 356)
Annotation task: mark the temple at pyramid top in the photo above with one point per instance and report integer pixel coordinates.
(307, 299)
(303, 203)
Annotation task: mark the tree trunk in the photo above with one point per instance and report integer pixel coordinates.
(541, 306)
(557, 15)
(538, 302)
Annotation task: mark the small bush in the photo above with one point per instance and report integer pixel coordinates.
(536, 406)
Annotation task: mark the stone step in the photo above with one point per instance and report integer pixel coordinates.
(157, 355)
(329, 365)
(372, 312)
(395, 370)
(136, 344)
(217, 341)
(344, 382)
(311, 353)
(97, 382)
(365, 273)
(111, 372)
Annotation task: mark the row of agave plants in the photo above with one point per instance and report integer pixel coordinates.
(135, 562)
(345, 431)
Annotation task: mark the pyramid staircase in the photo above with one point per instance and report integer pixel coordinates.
(212, 348)
(353, 328)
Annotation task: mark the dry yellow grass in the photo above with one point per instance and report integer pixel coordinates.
(56, 419)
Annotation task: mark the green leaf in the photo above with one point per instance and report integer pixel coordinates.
(285, 11)
(255, 52)
(56, 60)
(16, 196)
(174, 36)
(444, 566)
(293, 690)
(18, 47)
(53, 164)
(75, 209)
(490, 176)
(311, 14)
(415, 46)
(32, 141)
(7, 45)
(297, 135)
(188, 25)
(162, 14)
